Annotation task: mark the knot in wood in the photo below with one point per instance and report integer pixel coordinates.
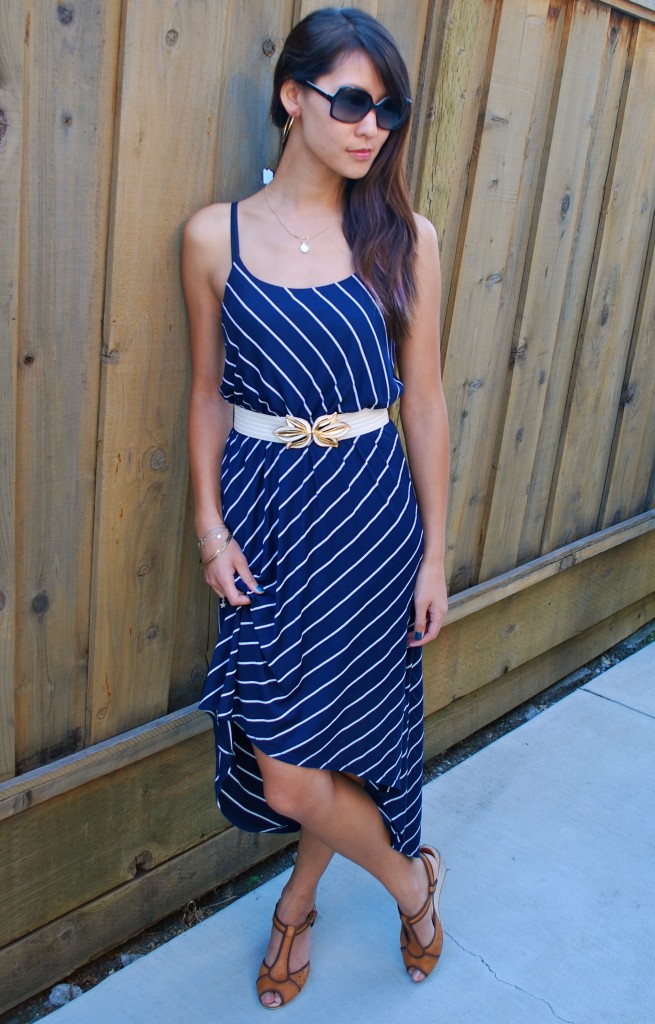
(565, 204)
(65, 14)
(604, 314)
(629, 393)
(494, 279)
(158, 459)
(172, 37)
(3, 600)
(28, 360)
(198, 673)
(152, 633)
(268, 47)
(67, 118)
(40, 603)
(142, 862)
(143, 570)
(4, 125)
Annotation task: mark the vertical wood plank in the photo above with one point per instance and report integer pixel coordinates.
(628, 217)
(453, 107)
(236, 161)
(578, 158)
(244, 138)
(491, 261)
(11, 102)
(193, 126)
(629, 487)
(70, 68)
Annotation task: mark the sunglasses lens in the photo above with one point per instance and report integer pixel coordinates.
(351, 105)
(391, 114)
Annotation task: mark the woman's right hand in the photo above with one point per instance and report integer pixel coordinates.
(220, 573)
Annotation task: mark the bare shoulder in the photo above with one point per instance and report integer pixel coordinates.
(209, 227)
(427, 235)
(207, 243)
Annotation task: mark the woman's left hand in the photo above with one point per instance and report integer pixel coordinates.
(430, 604)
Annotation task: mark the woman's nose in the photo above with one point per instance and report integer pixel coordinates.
(368, 125)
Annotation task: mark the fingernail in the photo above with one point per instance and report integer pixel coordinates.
(259, 588)
(418, 635)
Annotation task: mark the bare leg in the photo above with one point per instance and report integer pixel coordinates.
(297, 900)
(339, 813)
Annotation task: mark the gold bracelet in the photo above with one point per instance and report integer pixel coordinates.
(218, 552)
(212, 532)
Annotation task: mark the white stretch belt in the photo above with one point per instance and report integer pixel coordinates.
(296, 432)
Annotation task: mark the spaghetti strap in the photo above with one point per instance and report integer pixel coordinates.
(234, 231)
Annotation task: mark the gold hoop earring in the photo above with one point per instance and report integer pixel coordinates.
(286, 130)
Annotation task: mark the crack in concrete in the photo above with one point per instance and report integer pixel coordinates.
(613, 700)
(511, 984)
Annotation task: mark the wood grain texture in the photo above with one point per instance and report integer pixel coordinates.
(11, 147)
(168, 165)
(631, 479)
(234, 165)
(53, 951)
(448, 143)
(70, 72)
(644, 11)
(491, 264)
(106, 758)
(475, 710)
(609, 320)
(546, 330)
(489, 592)
(527, 624)
(66, 851)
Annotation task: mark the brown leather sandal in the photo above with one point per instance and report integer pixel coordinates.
(415, 955)
(276, 977)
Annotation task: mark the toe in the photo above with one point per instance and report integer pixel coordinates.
(271, 999)
(415, 974)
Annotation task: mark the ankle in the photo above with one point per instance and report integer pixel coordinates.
(415, 890)
(295, 904)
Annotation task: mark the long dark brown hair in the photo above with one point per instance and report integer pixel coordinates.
(378, 222)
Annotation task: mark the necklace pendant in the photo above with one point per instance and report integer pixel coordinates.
(304, 245)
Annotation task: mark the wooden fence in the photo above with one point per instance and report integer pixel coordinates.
(533, 153)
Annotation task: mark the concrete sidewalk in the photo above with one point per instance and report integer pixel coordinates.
(548, 906)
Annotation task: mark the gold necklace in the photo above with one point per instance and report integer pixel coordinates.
(303, 239)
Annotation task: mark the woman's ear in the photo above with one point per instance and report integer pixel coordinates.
(290, 96)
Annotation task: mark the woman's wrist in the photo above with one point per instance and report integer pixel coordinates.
(215, 533)
(206, 520)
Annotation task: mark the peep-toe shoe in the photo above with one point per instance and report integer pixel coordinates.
(276, 977)
(415, 954)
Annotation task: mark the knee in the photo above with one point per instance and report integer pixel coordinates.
(292, 791)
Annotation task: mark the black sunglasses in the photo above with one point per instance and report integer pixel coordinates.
(351, 104)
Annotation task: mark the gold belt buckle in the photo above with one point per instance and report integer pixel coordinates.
(325, 431)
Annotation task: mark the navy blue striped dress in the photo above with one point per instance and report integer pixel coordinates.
(316, 672)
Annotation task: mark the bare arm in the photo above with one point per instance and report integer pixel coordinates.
(425, 426)
(206, 240)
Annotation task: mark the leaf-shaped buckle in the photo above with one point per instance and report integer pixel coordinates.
(325, 431)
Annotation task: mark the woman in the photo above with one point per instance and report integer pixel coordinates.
(308, 522)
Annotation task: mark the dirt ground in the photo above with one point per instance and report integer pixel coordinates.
(197, 910)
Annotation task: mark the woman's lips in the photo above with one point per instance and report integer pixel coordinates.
(361, 154)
